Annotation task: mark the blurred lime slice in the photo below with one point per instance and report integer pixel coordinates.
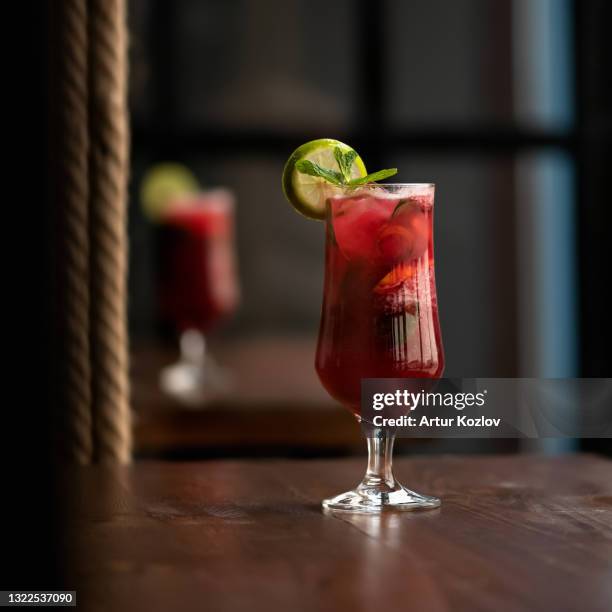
(163, 183)
(307, 193)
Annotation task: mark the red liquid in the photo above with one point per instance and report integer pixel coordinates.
(380, 312)
(197, 277)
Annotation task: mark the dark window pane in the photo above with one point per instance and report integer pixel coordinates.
(449, 62)
(272, 64)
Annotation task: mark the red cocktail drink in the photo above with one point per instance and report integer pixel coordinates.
(380, 312)
(197, 287)
(197, 278)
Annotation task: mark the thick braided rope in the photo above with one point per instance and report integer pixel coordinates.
(108, 220)
(74, 420)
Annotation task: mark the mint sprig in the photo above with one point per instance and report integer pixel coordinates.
(331, 176)
(345, 163)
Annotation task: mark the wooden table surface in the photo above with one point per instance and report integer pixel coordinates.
(276, 402)
(513, 533)
(276, 407)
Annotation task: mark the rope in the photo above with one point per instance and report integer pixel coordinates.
(74, 422)
(108, 254)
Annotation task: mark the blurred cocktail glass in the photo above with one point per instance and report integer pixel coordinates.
(197, 287)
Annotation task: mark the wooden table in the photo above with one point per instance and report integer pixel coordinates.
(277, 407)
(513, 533)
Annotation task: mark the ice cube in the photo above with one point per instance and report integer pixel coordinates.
(356, 222)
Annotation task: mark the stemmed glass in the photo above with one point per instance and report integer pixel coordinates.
(379, 317)
(197, 287)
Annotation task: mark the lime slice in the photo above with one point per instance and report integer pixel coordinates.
(308, 193)
(162, 184)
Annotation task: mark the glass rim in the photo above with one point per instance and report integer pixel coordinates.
(394, 185)
(392, 189)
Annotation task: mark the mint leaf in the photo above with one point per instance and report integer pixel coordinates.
(345, 162)
(339, 155)
(307, 167)
(374, 176)
(349, 158)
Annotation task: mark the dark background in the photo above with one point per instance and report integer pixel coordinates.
(504, 105)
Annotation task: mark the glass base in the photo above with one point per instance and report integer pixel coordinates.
(380, 497)
(196, 378)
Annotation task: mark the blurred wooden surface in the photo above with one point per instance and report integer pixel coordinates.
(276, 402)
(276, 408)
(514, 533)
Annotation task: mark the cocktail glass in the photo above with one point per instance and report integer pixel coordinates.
(197, 288)
(379, 317)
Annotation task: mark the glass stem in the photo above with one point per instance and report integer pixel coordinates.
(380, 458)
(193, 347)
